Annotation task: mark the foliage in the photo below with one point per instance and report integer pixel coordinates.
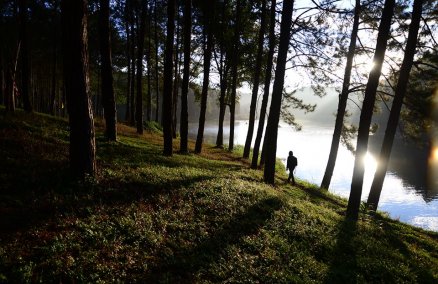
(186, 218)
(153, 126)
(416, 116)
(289, 103)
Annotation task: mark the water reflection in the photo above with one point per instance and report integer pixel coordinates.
(413, 203)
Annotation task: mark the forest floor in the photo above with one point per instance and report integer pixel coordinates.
(183, 219)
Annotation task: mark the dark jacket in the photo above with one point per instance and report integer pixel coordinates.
(292, 162)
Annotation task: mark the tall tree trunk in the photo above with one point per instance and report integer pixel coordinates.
(128, 56)
(148, 60)
(277, 92)
(184, 120)
(25, 74)
(222, 107)
(55, 57)
(140, 51)
(9, 90)
(176, 75)
(256, 80)
(11, 86)
(367, 111)
(234, 74)
(223, 80)
(268, 75)
(108, 97)
(400, 91)
(133, 68)
(167, 86)
(157, 79)
(2, 78)
(75, 54)
(208, 46)
(342, 102)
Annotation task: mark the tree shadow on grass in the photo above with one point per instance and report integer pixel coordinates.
(343, 268)
(183, 264)
(128, 192)
(398, 240)
(133, 155)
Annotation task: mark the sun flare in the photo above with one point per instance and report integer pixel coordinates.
(370, 162)
(435, 154)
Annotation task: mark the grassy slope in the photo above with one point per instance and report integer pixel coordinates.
(185, 218)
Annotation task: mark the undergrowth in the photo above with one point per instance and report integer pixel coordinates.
(182, 219)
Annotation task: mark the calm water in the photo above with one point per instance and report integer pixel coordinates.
(405, 198)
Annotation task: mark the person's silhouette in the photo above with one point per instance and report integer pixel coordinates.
(292, 162)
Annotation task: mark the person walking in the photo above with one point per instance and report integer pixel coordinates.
(292, 162)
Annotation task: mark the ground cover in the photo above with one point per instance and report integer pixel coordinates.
(182, 219)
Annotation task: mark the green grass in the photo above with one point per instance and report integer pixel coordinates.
(187, 218)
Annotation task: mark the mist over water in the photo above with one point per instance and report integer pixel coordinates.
(406, 194)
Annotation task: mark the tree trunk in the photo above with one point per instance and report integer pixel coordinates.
(268, 75)
(25, 74)
(277, 92)
(207, 61)
(234, 74)
(222, 107)
(108, 97)
(55, 57)
(400, 91)
(128, 56)
(255, 89)
(2, 79)
(132, 88)
(148, 60)
(175, 82)
(157, 79)
(367, 111)
(9, 90)
(184, 120)
(342, 102)
(223, 80)
(75, 54)
(140, 51)
(167, 86)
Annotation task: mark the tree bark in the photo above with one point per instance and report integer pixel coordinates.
(367, 111)
(75, 54)
(167, 86)
(207, 61)
(25, 74)
(9, 90)
(400, 91)
(2, 78)
(277, 92)
(128, 56)
(148, 60)
(132, 88)
(184, 120)
(176, 75)
(342, 102)
(223, 80)
(108, 97)
(55, 57)
(268, 75)
(157, 79)
(222, 107)
(140, 53)
(234, 74)
(256, 80)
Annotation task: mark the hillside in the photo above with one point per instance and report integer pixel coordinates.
(182, 219)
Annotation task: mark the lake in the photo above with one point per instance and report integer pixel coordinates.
(408, 194)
